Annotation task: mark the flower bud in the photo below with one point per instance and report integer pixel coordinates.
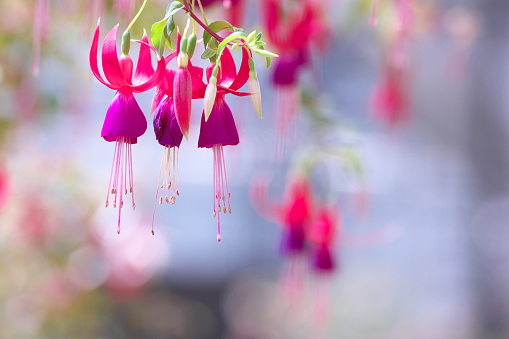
(210, 96)
(256, 97)
(254, 88)
(191, 44)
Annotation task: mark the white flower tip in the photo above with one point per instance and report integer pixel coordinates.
(210, 97)
(256, 97)
(219, 238)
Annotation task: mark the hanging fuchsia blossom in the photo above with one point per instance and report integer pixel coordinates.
(124, 121)
(390, 97)
(218, 127)
(296, 214)
(294, 30)
(167, 130)
(322, 233)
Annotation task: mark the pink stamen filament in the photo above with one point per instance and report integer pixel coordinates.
(287, 106)
(121, 176)
(168, 179)
(221, 190)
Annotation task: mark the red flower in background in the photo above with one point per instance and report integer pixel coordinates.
(322, 233)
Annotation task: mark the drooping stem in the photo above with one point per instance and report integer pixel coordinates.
(137, 15)
(201, 23)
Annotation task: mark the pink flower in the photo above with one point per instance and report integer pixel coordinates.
(219, 128)
(124, 121)
(322, 233)
(296, 214)
(167, 130)
(390, 99)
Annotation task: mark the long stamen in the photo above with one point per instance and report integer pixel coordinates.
(111, 175)
(122, 179)
(121, 176)
(167, 178)
(158, 200)
(214, 181)
(131, 176)
(176, 170)
(226, 181)
(118, 156)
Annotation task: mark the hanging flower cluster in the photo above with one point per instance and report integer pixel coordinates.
(173, 98)
(294, 30)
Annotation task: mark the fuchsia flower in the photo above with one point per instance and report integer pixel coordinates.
(167, 130)
(124, 121)
(390, 99)
(295, 215)
(219, 128)
(294, 31)
(322, 233)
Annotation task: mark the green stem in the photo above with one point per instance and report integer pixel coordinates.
(202, 13)
(137, 15)
(201, 23)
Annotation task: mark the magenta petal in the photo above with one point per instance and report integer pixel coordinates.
(322, 258)
(166, 127)
(154, 80)
(93, 60)
(243, 74)
(144, 69)
(220, 128)
(124, 118)
(228, 70)
(293, 240)
(197, 82)
(182, 92)
(111, 66)
(167, 81)
(156, 100)
(285, 71)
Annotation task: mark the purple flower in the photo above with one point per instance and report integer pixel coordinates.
(166, 127)
(220, 128)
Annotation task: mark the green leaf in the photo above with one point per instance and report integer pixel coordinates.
(157, 36)
(265, 53)
(209, 53)
(231, 37)
(215, 27)
(173, 8)
(258, 37)
(268, 61)
(251, 36)
(168, 29)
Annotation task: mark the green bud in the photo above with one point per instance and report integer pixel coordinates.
(191, 44)
(126, 42)
(215, 71)
(252, 70)
(183, 45)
